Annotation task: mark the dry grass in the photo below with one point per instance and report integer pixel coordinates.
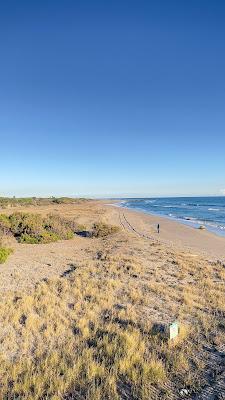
(90, 334)
(70, 336)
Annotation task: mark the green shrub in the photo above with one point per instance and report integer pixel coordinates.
(4, 224)
(25, 223)
(29, 239)
(4, 253)
(59, 226)
(33, 228)
(66, 200)
(69, 235)
(44, 237)
(4, 219)
(101, 229)
(48, 237)
(34, 201)
(57, 201)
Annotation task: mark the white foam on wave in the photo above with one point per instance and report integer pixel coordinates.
(149, 201)
(192, 214)
(170, 206)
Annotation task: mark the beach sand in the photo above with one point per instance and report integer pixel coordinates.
(176, 234)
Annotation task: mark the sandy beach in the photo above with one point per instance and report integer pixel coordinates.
(176, 234)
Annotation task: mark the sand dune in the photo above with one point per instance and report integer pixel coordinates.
(69, 307)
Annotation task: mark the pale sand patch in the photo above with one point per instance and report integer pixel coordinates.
(31, 263)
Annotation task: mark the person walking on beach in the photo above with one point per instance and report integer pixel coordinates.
(158, 228)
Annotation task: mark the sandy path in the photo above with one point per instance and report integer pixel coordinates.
(32, 263)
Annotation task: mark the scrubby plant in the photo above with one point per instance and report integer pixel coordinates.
(33, 228)
(25, 223)
(75, 226)
(48, 237)
(4, 224)
(25, 238)
(59, 226)
(44, 237)
(4, 253)
(101, 229)
(34, 201)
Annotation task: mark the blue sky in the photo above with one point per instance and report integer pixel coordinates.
(112, 97)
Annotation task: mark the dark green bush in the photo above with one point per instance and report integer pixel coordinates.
(4, 253)
(101, 229)
(44, 237)
(33, 228)
(25, 238)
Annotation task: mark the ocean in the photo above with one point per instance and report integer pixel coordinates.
(194, 211)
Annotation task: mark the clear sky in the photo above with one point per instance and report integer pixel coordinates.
(112, 97)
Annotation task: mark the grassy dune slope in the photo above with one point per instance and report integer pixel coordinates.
(90, 334)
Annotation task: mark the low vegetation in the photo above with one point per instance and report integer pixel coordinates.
(4, 254)
(6, 202)
(101, 229)
(77, 341)
(89, 335)
(97, 331)
(34, 229)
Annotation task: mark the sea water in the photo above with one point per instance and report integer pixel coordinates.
(194, 211)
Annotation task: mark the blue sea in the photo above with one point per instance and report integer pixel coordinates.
(194, 211)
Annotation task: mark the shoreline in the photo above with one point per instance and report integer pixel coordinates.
(175, 233)
(185, 221)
